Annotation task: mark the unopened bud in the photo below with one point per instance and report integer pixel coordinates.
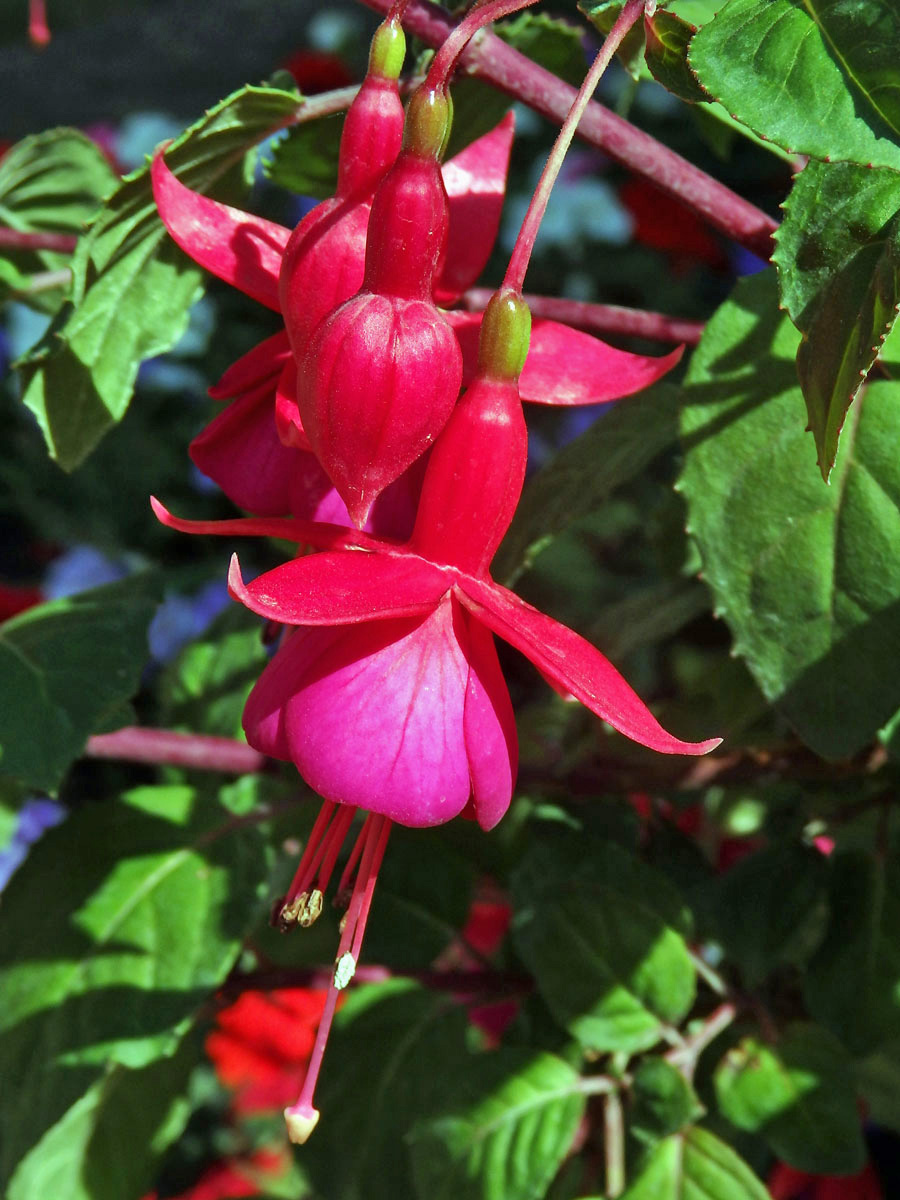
(505, 336)
(388, 50)
(428, 121)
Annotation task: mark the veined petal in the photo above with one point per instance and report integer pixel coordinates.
(572, 665)
(390, 695)
(565, 366)
(489, 726)
(342, 588)
(238, 247)
(261, 365)
(307, 533)
(475, 180)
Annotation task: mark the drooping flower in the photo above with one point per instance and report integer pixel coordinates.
(387, 692)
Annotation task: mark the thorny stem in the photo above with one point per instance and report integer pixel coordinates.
(489, 58)
(521, 255)
(600, 318)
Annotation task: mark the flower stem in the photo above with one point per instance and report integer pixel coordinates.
(491, 59)
(521, 255)
(600, 318)
(614, 1144)
(166, 747)
(15, 239)
(459, 37)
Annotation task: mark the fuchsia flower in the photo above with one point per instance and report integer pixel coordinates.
(266, 466)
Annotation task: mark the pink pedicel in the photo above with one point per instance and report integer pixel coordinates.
(381, 374)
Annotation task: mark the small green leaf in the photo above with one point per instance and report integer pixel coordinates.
(838, 258)
(393, 1047)
(663, 1101)
(779, 66)
(51, 182)
(624, 440)
(694, 1165)
(305, 159)
(132, 286)
(668, 38)
(770, 909)
(807, 577)
(112, 965)
(799, 1095)
(609, 966)
(506, 1139)
(65, 667)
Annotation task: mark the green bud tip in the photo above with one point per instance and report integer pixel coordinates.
(505, 336)
(388, 50)
(428, 121)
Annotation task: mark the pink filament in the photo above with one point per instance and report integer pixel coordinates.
(38, 29)
(373, 838)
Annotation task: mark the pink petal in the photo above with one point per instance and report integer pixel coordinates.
(287, 414)
(315, 498)
(490, 728)
(565, 366)
(572, 665)
(240, 450)
(342, 588)
(307, 533)
(372, 715)
(261, 365)
(475, 181)
(238, 247)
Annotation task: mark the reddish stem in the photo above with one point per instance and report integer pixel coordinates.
(489, 58)
(165, 746)
(15, 239)
(600, 318)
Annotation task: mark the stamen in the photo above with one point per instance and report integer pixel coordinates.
(302, 1117)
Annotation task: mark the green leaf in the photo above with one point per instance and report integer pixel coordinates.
(663, 1102)
(393, 1047)
(423, 898)
(694, 1166)
(52, 182)
(851, 984)
(799, 1095)
(305, 159)
(666, 53)
(807, 577)
(507, 1139)
(612, 970)
(65, 667)
(878, 1081)
(770, 909)
(779, 66)
(205, 689)
(132, 286)
(107, 1145)
(838, 261)
(624, 439)
(112, 968)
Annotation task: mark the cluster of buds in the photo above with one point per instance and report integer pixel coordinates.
(371, 432)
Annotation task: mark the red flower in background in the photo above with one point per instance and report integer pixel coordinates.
(234, 1178)
(261, 1045)
(786, 1183)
